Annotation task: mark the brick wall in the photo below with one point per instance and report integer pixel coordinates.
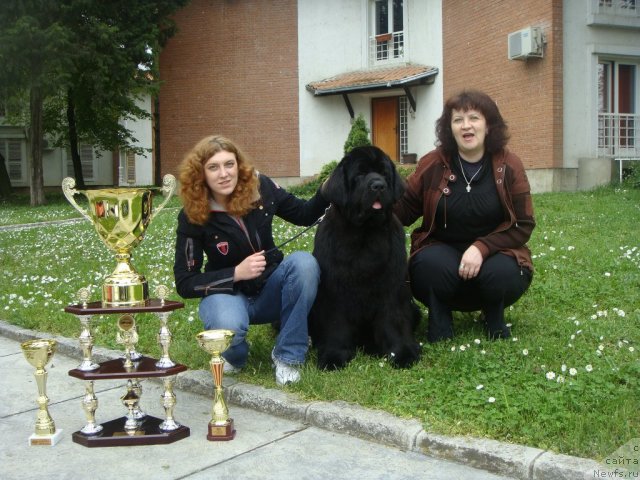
(529, 94)
(232, 70)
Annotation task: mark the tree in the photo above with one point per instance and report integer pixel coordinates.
(83, 64)
(358, 135)
(119, 66)
(35, 53)
(5, 181)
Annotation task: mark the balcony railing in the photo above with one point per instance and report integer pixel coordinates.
(386, 47)
(626, 8)
(619, 135)
(614, 13)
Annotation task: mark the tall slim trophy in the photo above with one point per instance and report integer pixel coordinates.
(215, 342)
(38, 353)
(121, 217)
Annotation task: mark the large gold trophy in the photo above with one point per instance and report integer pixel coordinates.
(121, 217)
(38, 353)
(215, 342)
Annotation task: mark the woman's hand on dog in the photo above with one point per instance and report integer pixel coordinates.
(251, 267)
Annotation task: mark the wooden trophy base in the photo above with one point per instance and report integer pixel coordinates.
(113, 434)
(221, 433)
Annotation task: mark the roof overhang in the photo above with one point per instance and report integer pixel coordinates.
(362, 81)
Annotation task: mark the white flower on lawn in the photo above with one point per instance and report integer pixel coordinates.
(601, 347)
(525, 352)
(560, 379)
(480, 387)
(491, 400)
(573, 372)
(550, 375)
(563, 368)
(631, 349)
(462, 348)
(477, 341)
(589, 368)
(607, 274)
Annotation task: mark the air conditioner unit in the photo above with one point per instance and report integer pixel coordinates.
(525, 43)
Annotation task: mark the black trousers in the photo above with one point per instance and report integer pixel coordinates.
(435, 282)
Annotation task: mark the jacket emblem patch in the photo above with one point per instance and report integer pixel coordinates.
(223, 247)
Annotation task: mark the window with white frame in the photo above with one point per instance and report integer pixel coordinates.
(404, 137)
(87, 160)
(388, 39)
(618, 120)
(13, 151)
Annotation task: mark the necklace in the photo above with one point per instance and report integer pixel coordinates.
(468, 187)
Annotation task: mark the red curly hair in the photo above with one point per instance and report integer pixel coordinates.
(194, 190)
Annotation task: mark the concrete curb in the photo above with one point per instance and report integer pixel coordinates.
(525, 463)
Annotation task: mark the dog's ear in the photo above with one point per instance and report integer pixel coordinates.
(335, 188)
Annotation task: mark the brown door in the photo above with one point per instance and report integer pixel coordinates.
(385, 131)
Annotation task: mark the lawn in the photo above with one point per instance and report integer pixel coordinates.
(568, 380)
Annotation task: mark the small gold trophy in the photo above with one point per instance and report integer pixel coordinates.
(128, 336)
(121, 217)
(38, 353)
(215, 342)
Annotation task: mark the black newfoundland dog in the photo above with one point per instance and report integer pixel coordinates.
(363, 300)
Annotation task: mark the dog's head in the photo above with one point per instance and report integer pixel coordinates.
(364, 186)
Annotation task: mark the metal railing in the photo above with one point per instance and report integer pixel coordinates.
(386, 47)
(618, 135)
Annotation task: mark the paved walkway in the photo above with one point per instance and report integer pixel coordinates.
(278, 436)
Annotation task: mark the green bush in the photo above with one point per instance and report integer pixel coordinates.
(358, 135)
(632, 175)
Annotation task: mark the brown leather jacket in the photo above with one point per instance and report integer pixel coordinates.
(430, 182)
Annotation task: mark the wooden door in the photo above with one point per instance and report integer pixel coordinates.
(385, 125)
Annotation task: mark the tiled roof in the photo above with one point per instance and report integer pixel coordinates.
(389, 77)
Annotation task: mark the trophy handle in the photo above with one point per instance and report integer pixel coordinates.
(168, 187)
(69, 190)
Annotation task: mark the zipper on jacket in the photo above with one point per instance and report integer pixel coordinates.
(212, 285)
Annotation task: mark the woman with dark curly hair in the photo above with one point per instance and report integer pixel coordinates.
(227, 215)
(473, 196)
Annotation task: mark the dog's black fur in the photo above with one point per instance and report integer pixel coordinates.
(363, 299)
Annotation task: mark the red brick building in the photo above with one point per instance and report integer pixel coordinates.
(232, 70)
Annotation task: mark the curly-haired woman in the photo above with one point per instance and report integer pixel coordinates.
(227, 215)
(473, 196)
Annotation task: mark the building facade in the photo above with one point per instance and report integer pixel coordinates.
(99, 167)
(286, 78)
(287, 85)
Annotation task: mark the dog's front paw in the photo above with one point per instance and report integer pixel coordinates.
(405, 356)
(334, 359)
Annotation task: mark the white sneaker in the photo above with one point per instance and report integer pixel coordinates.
(285, 373)
(229, 369)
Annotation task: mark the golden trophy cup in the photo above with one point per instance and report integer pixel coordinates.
(121, 217)
(215, 342)
(38, 353)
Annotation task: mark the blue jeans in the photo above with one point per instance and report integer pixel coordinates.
(287, 297)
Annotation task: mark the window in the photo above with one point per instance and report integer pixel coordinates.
(131, 167)
(404, 140)
(618, 132)
(12, 151)
(86, 160)
(388, 29)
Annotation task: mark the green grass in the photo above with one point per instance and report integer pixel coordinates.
(568, 380)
